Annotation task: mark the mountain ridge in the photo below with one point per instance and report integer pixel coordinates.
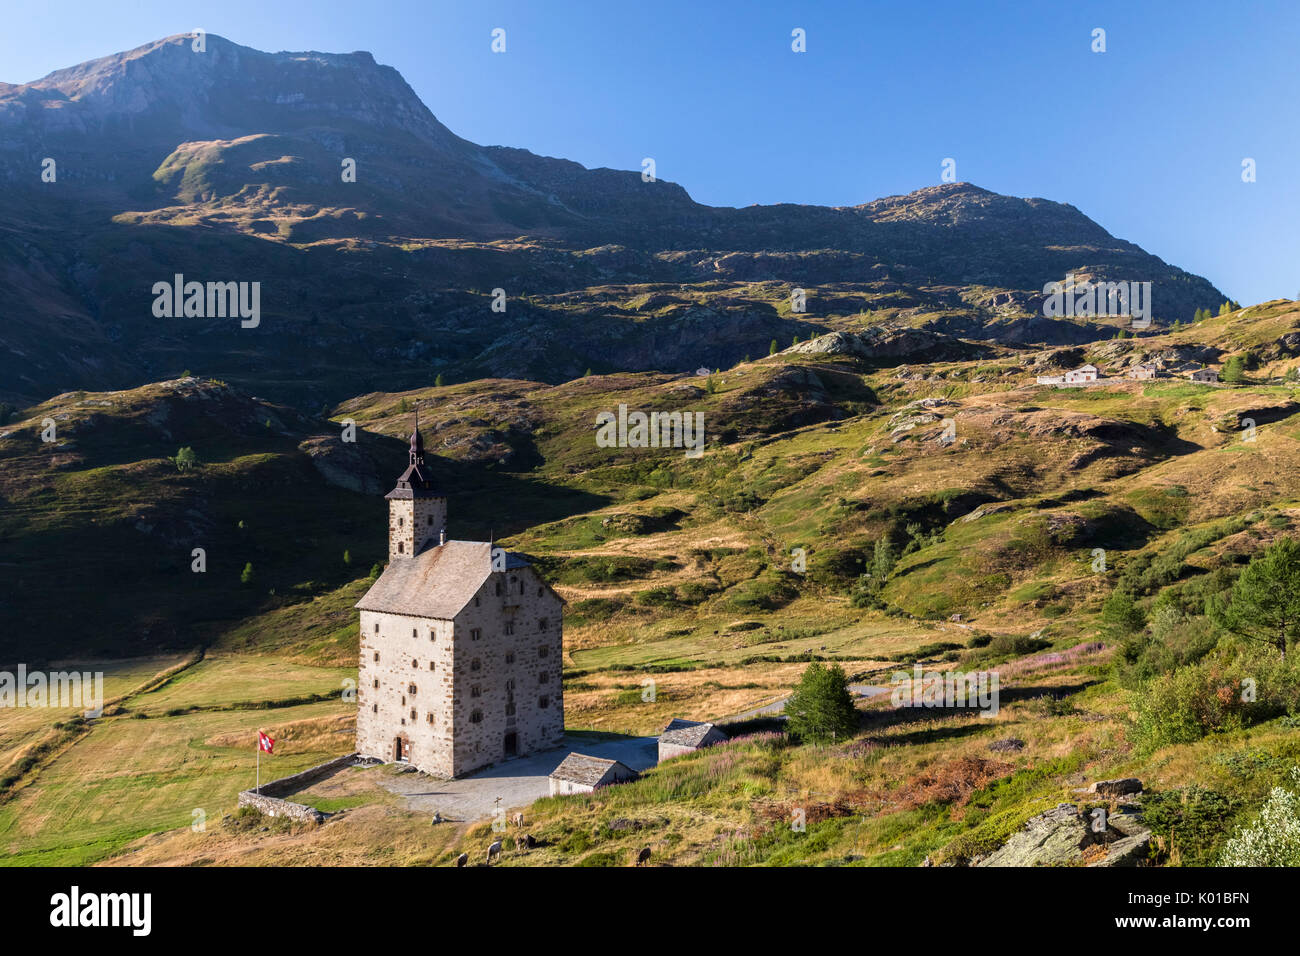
(227, 164)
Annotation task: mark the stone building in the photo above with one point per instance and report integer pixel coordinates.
(1204, 375)
(460, 644)
(1084, 373)
(687, 736)
(1146, 370)
(578, 773)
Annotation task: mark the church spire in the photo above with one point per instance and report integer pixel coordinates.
(417, 443)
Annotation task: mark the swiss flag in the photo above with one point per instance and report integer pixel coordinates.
(264, 742)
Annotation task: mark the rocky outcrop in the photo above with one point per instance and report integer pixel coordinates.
(874, 343)
(1068, 836)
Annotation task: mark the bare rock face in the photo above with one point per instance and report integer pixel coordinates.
(873, 343)
(344, 465)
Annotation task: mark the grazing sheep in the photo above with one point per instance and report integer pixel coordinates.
(462, 860)
(521, 842)
(494, 851)
(643, 856)
(518, 819)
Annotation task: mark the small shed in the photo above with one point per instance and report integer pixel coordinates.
(578, 773)
(1205, 375)
(687, 736)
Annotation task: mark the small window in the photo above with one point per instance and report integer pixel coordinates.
(412, 689)
(430, 521)
(543, 624)
(376, 627)
(413, 713)
(510, 657)
(498, 588)
(415, 663)
(374, 708)
(430, 665)
(539, 592)
(476, 717)
(429, 716)
(476, 600)
(510, 709)
(521, 587)
(403, 700)
(543, 702)
(543, 677)
(433, 635)
(401, 547)
(376, 683)
(510, 627)
(474, 664)
(543, 651)
(475, 633)
(376, 655)
(476, 691)
(413, 634)
(510, 685)
(400, 522)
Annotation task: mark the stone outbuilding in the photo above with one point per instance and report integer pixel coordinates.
(687, 736)
(1144, 371)
(1204, 375)
(578, 773)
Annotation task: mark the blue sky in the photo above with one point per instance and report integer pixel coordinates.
(1147, 138)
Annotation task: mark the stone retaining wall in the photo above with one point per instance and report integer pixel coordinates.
(269, 802)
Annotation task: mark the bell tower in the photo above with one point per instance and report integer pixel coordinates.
(417, 514)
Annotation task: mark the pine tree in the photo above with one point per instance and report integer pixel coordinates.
(439, 380)
(771, 349)
(821, 707)
(246, 576)
(1265, 602)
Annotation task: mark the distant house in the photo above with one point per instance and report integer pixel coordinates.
(578, 773)
(1084, 373)
(1205, 375)
(687, 736)
(1145, 370)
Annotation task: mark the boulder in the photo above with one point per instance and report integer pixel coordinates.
(1116, 788)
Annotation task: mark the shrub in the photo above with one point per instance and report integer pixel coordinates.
(1212, 696)
(186, 459)
(1190, 823)
(1273, 837)
(1015, 644)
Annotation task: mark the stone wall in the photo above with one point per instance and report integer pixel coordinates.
(269, 801)
(413, 652)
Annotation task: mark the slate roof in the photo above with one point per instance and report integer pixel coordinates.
(435, 583)
(579, 768)
(685, 733)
